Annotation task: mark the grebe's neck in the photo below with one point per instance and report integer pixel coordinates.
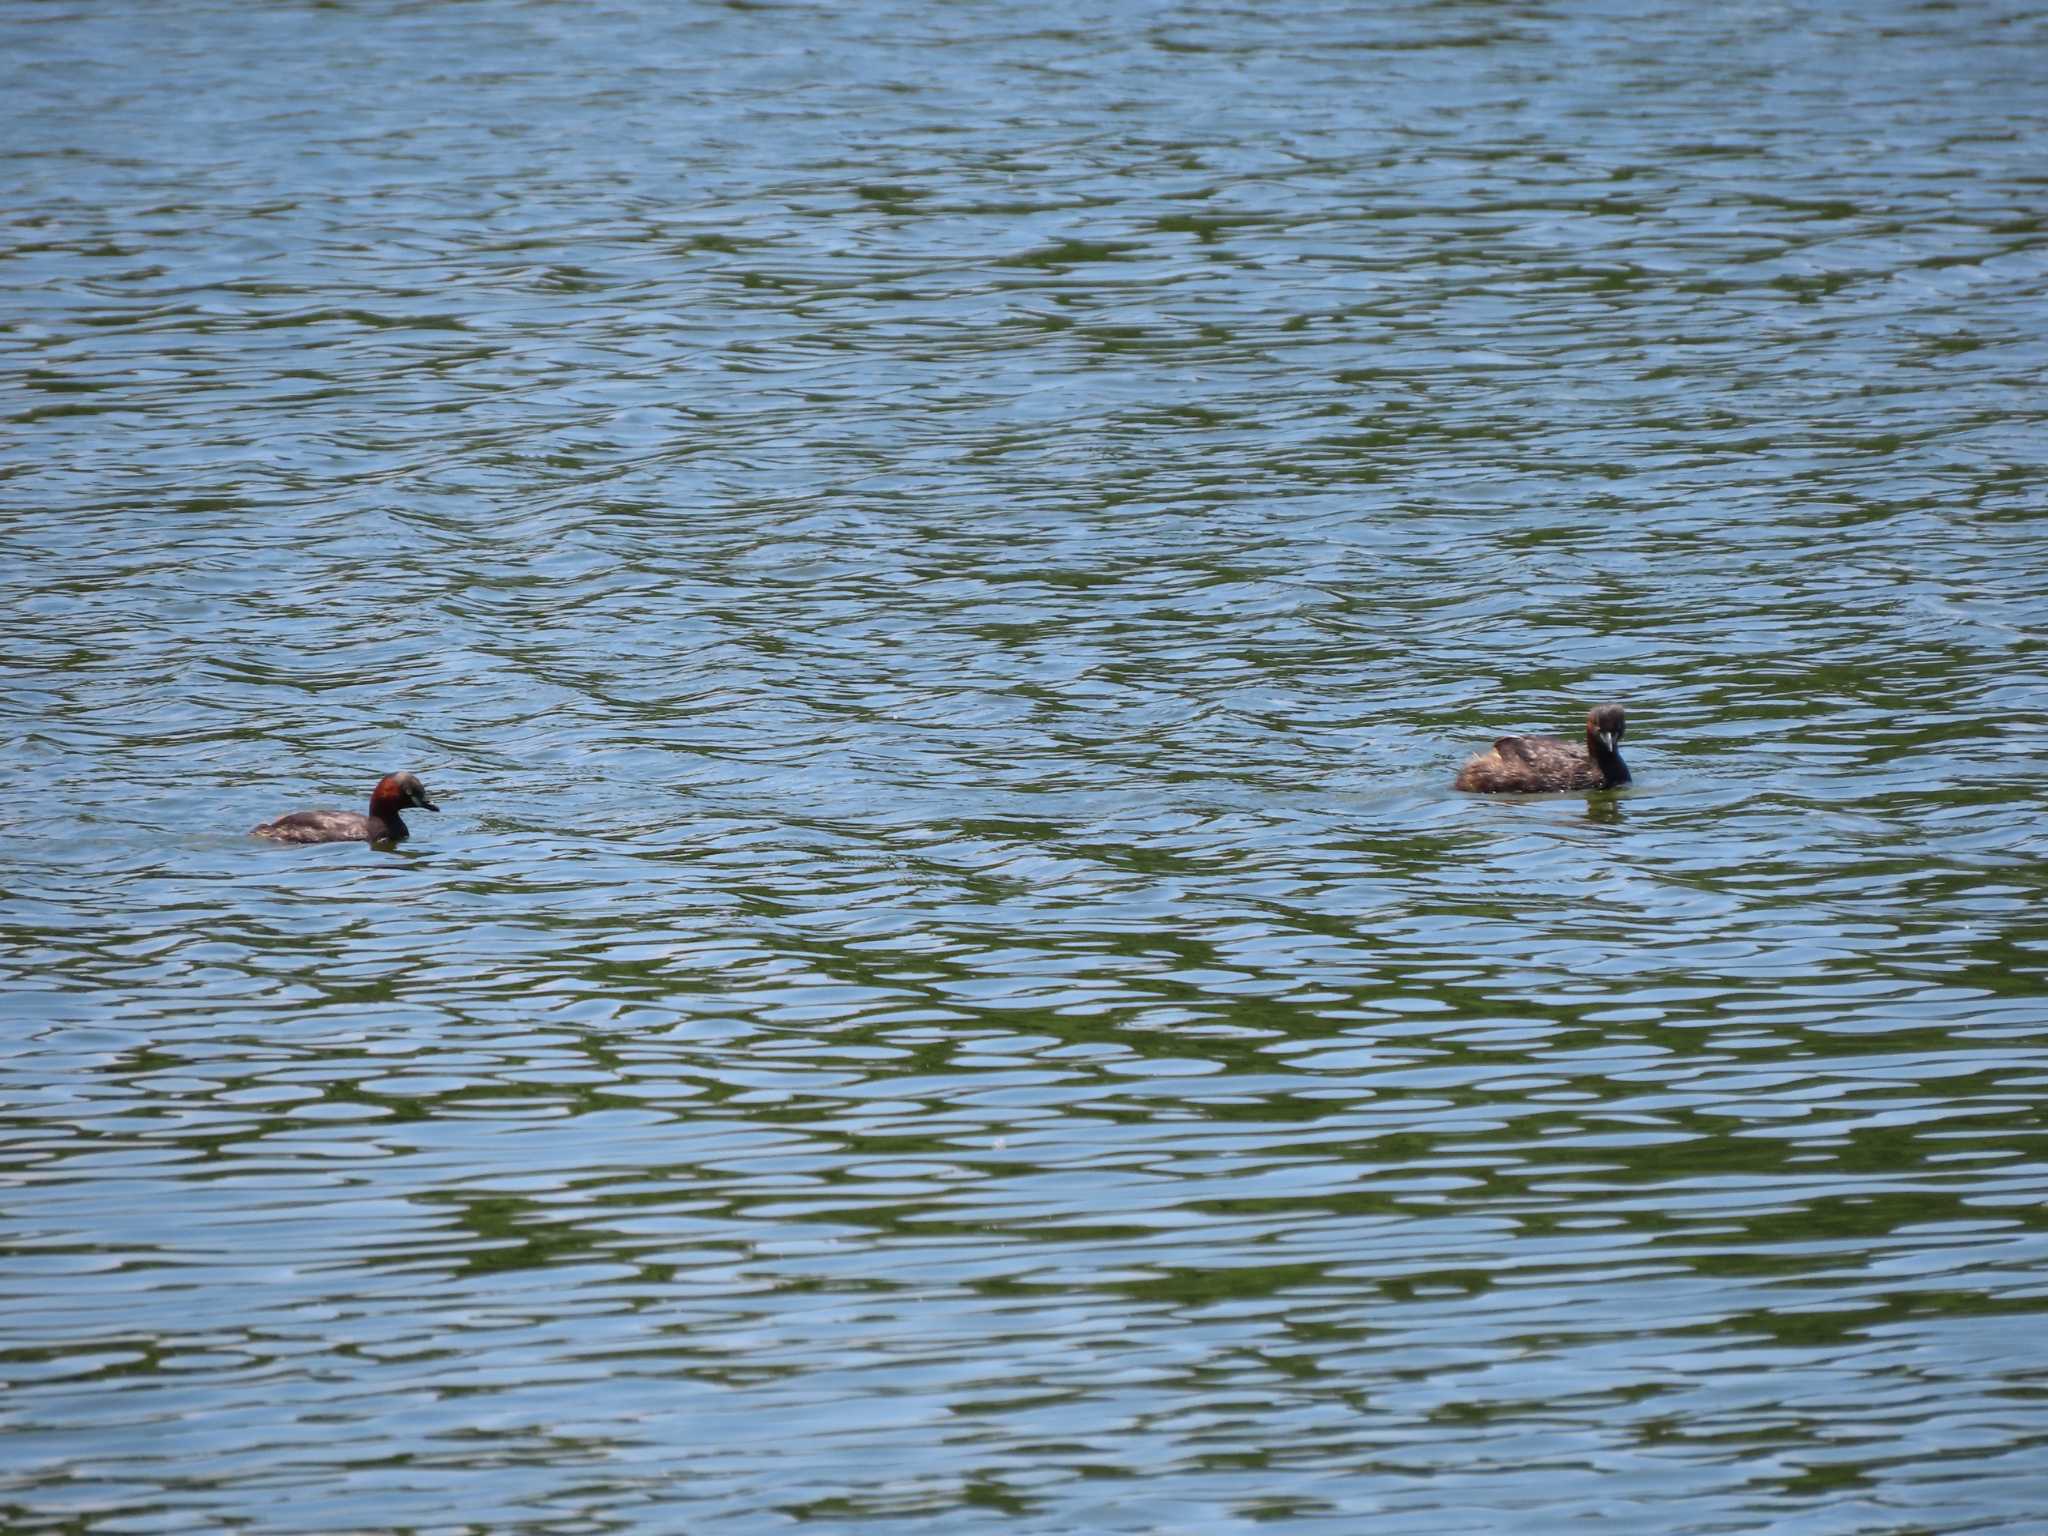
(386, 801)
(1607, 759)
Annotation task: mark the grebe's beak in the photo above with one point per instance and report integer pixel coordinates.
(425, 804)
(1607, 740)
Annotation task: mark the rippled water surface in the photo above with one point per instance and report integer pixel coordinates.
(939, 561)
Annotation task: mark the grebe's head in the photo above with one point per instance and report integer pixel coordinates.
(398, 791)
(1605, 725)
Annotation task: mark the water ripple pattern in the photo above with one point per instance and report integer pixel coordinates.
(939, 561)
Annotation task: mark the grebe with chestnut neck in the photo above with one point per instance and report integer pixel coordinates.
(394, 793)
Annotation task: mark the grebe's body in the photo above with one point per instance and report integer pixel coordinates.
(394, 793)
(1535, 764)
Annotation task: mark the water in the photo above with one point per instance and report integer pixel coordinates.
(939, 562)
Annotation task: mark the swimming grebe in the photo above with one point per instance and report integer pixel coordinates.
(394, 792)
(1526, 764)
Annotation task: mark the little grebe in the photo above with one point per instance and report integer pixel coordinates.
(394, 792)
(1531, 764)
